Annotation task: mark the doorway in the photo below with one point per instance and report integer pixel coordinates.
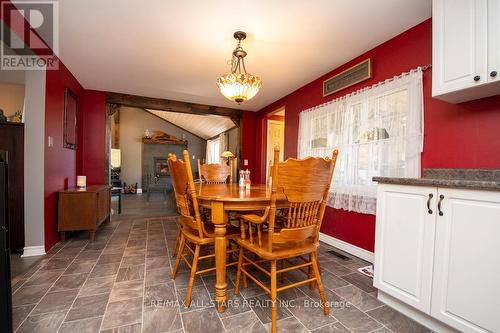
(275, 137)
(139, 141)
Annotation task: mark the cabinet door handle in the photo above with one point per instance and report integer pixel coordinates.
(441, 197)
(477, 78)
(493, 73)
(429, 210)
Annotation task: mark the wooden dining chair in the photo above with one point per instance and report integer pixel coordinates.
(194, 233)
(178, 236)
(215, 173)
(208, 174)
(301, 187)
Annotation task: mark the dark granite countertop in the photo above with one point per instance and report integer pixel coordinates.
(474, 179)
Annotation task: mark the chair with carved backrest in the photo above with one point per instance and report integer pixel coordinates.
(193, 232)
(301, 188)
(208, 174)
(178, 236)
(215, 173)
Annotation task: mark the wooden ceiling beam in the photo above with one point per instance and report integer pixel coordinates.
(172, 106)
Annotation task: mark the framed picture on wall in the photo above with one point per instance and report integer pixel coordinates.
(349, 77)
(70, 119)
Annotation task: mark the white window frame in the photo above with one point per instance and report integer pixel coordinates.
(384, 123)
(213, 151)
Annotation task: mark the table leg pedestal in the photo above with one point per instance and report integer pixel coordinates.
(219, 217)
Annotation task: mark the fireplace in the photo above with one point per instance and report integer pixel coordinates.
(154, 164)
(161, 167)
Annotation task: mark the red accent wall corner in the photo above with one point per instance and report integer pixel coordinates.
(456, 135)
(60, 163)
(92, 161)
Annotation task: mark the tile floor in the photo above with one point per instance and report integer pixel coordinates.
(121, 283)
(134, 206)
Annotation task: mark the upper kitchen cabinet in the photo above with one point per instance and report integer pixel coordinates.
(466, 49)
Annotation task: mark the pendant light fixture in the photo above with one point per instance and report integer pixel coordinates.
(239, 86)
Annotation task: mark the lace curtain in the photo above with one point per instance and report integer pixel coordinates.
(213, 151)
(223, 143)
(216, 147)
(378, 131)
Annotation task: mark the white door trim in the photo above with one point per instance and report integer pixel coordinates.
(269, 158)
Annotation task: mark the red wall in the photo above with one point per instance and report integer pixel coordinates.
(92, 159)
(455, 136)
(60, 162)
(248, 139)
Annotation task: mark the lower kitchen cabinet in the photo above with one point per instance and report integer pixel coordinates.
(437, 250)
(405, 243)
(466, 279)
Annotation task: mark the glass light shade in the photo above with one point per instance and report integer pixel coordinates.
(227, 154)
(239, 87)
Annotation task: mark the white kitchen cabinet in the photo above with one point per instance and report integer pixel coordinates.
(466, 285)
(465, 49)
(493, 40)
(440, 256)
(404, 244)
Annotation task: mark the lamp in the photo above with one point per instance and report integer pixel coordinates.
(239, 86)
(81, 183)
(227, 155)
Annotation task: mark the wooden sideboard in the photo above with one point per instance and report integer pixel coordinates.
(84, 209)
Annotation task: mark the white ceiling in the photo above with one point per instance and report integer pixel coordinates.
(176, 49)
(205, 127)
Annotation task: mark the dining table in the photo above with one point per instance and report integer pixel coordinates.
(222, 199)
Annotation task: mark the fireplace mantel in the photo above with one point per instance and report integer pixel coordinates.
(164, 142)
(162, 138)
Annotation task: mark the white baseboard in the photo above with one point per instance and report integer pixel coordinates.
(418, 316)
(31, 251)
(346, 247)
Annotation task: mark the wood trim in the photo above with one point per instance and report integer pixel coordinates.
(9, 123)
(278, 110)
(277, 118)
(166, 142)
(172, 106)
(268, 159)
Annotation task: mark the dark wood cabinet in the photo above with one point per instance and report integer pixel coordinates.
(5, 275)
(84, 209)
(12, 141)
